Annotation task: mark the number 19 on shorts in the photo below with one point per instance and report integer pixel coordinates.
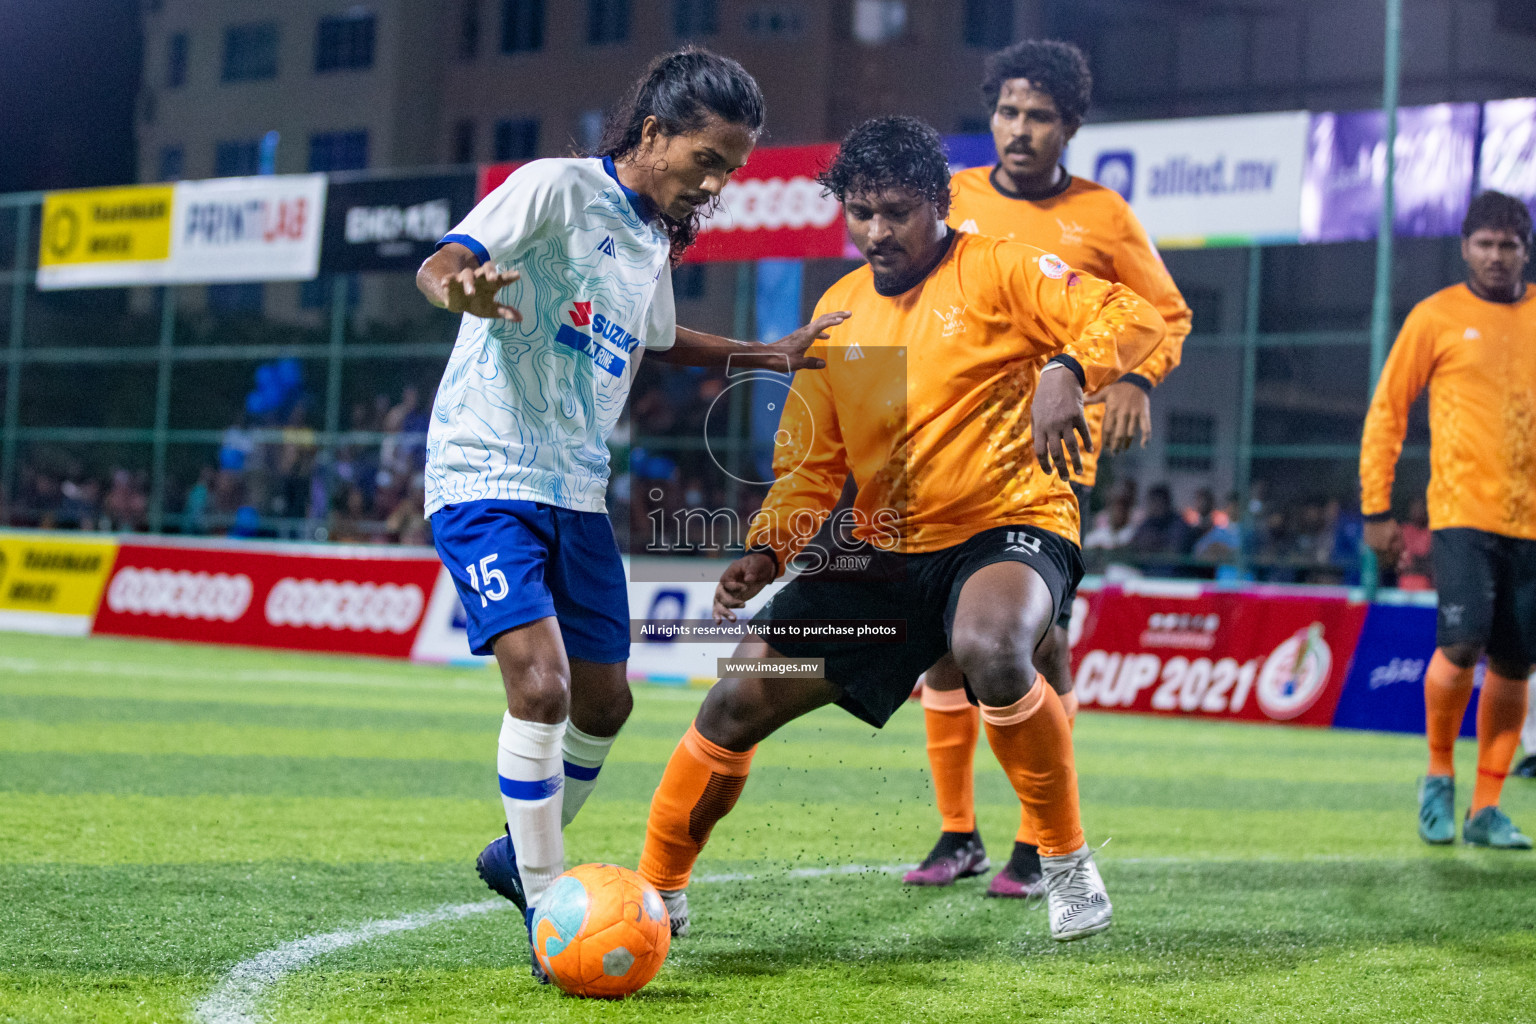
(489, 583)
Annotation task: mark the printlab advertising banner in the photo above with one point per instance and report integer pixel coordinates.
(391, 224)
(1225, 655)
(224, 229)
(1341, 194)
(773, 209)
(1508, 160)
(266, 596)
(1201, 181)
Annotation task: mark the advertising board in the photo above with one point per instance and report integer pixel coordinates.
(266, 596)
(225, 229)
(1341, 193)
(391, 223)
(52, 583)
(1216, 654)
(1202, 181)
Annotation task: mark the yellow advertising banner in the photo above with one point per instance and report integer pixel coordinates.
(49, 574)
(103, 233)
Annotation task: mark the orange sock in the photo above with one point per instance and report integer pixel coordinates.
(1500, 714)
(1033, 743)
(1446, 692)
(1028, 833)
(953, 724)
(699, 787)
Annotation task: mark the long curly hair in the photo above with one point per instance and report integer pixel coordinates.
(681, 90)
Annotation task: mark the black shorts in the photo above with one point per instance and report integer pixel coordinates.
(876, 678)
(1082, 492)
(1487, 590)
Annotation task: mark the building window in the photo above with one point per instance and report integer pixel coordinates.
(879, 21)
(344, 43)
(688, 281)
(176, 61)
(250, 52)
(469, 29)
(1191, 428)
(774, 20)
(607, 21)
(236, 158)
(522, 25)
(516, 139)
(235, 298)
(988, 23)
(172, 163)
(692, 19)
(464, 142)
(338, 151)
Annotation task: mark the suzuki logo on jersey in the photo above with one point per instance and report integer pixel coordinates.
(589, 329)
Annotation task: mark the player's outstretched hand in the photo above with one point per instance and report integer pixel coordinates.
(1127, 411)
(792, 346)
(1384, 537)
(474, 291)
(1057, 418)
(740, 583)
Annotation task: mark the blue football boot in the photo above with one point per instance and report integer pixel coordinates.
(497, 868)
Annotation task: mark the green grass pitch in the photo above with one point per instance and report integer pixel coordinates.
(168, 812)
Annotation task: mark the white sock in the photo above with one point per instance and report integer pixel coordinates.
(584, 754)
(528, 763)
(1528, 733)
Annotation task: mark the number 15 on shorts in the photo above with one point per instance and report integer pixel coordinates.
(489, 583)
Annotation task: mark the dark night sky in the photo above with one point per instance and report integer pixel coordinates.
(69, 77)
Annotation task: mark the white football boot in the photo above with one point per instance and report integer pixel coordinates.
(1075, 896)
(677, 910)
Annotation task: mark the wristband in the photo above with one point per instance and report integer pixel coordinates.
(1071, 364)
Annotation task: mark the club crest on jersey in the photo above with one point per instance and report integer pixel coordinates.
(1053, 267)
(586, 333)
(953, 320)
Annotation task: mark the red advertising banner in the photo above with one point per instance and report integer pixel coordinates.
(492, 175)
(1282, 657)
(773, 209)
(263, 597)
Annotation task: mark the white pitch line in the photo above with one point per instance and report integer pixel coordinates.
(234, 1001)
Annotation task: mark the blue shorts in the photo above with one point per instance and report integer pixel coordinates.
(518, 561)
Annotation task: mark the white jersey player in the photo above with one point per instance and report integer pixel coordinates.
(563, 274)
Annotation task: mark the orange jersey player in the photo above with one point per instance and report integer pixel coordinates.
(1038, 92)
(1474, 346)
(950, 396)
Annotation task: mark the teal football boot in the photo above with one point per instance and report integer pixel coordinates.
(1492, 828)
(1437, 809)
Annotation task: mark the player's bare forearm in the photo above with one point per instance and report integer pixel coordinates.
(696, 348)
(453, 278)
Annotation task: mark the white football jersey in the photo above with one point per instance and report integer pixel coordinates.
(525, 409)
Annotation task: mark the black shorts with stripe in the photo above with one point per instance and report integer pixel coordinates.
(922, 590)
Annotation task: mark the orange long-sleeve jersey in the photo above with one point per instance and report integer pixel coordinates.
(1478, 359)
(1094, 230)
(925, 399)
